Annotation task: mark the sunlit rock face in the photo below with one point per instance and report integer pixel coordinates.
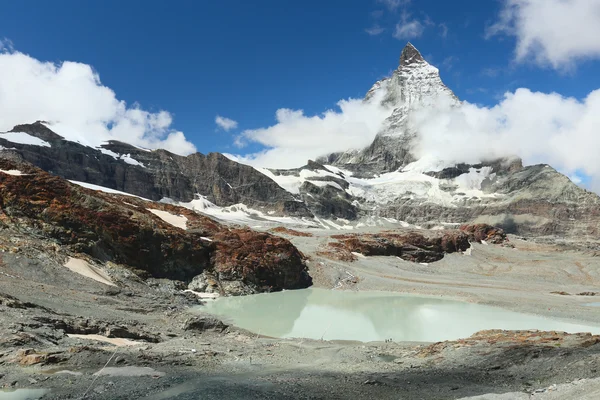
(388, 182)
(152, 239)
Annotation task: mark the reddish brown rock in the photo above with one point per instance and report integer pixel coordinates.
(409, 246)
(291, 232)
(336, 251)
(484, 232)
(121, 229)
(259, 259)
(511, 339)
(27, 357)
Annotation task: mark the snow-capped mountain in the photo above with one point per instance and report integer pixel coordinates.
(384, 183)
(386, 180)
(415, 84)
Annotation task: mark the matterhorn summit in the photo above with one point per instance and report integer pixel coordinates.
(414, 85)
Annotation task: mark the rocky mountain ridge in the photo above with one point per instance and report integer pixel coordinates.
(154, 175)
(153, 240)
(382, 184)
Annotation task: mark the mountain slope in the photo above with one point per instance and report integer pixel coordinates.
(382, 184)
(152, 239)
(153, 174)
(386, 180)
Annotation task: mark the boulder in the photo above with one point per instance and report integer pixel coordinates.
(202, 324)
(484, 232)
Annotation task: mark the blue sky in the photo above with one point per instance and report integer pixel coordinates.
(245, 60)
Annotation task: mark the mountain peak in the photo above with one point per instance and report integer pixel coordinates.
(410, 55)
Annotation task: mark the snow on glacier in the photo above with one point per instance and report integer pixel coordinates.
(237, 213)
(24, 138)
(131, 161)
(292, 183)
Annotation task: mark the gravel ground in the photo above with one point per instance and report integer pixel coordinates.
(179, 354)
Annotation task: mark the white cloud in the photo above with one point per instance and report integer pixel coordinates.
(374, 30)
(71, 97)
(491, 72)
(538, 127)
(576, 179)
(296, 137)
(226, 124)
(408, 28)
(551, 32)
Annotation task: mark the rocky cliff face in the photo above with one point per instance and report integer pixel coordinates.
(155, 240)
(151, 174)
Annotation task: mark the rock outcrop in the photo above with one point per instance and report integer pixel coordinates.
(484, 232)
(130, 231)
(411, 246)
(260, 260)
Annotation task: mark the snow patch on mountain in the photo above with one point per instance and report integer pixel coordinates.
(414, 184)
(427, 163)
(178, 221)
(108, 152)
(23, 138)
(411, 182)
(292, 183)
(129, 160)
(105, 189)
(339, 224)
(13, 172)
(238, 213)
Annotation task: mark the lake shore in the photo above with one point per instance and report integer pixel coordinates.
(157, 348)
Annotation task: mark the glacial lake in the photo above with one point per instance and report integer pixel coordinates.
(372, 316)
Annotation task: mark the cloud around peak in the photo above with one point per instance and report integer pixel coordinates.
(541, 128)
(71, 96)
(295, 137)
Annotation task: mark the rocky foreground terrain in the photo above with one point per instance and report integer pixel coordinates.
(95, 303)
